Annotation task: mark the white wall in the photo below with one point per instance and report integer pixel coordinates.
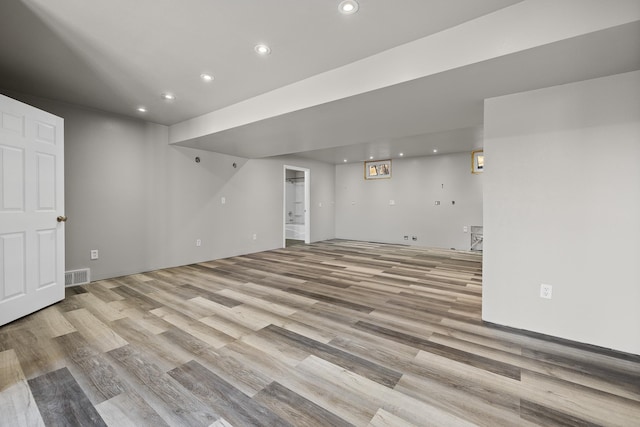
(562, 207)
(143, 203)
(363, 210)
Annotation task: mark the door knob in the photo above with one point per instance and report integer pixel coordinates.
(62, 218)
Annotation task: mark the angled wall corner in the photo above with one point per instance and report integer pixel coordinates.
(561, 207)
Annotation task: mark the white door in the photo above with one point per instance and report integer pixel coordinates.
(31, 209)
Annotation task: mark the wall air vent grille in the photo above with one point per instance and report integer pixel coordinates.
(77, 277)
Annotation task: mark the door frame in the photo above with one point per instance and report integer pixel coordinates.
(307, 202)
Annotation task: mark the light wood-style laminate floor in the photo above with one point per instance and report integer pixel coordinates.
(336, 333)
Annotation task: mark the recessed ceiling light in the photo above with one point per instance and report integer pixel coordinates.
(435, 150)
(168, 96)
(401, 154)
(370, 157)
(206, 77)
(345, 160)
(262, 49)
(348, 7)
(142, 109)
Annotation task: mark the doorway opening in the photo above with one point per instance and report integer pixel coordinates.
(297, 226)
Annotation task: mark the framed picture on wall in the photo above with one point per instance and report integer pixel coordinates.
(477, 161)
(378, 169)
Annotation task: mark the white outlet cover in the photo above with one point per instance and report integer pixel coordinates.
(223, 200)
(546, 291)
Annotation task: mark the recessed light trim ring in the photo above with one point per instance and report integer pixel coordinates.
(262, 49)
(348, 7)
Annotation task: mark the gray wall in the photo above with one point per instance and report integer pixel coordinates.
(143, 203)
(562, 207)
(364, 212)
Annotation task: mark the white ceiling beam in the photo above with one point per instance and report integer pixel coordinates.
(526, 25)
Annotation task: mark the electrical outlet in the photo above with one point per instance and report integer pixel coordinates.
(94, 254)
(223, 200)
(255, 236)
(437, 202)
(406, 237)
(392, 202)
(545, 291)
(198, 242)
(465, 229)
